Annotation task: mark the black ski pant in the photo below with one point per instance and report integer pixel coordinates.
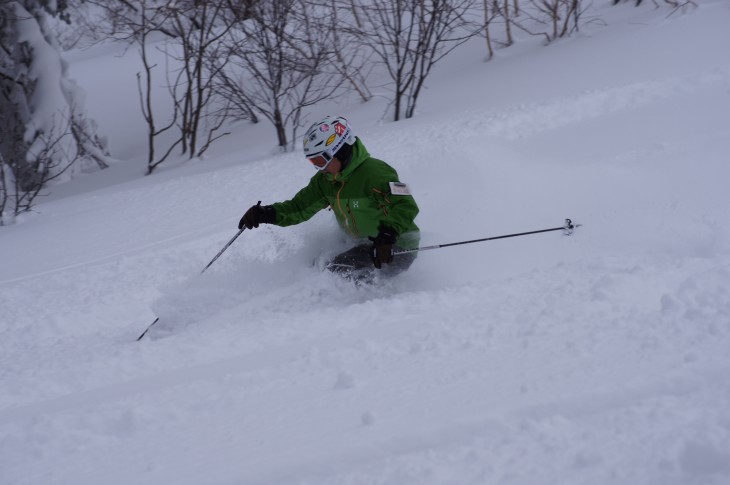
(357, 263)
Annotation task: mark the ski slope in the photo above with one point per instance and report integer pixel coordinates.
(596, 358)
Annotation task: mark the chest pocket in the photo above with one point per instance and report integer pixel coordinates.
(358, 216)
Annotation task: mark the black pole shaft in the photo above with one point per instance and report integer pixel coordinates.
(224, 249)
(568, 227)
(147, 329)
(208, 266)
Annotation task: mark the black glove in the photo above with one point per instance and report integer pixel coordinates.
(382, 250)
(256, 215)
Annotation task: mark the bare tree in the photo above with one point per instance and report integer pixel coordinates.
(147, 105)
(139, 23)
(507, 14)
(352, 63)
(198, 28)
(562, 15)
(150, 19)
(681, 5)
(562, 18)
(492, 11)
(280, 61)
(677, 5)
(193, 31)
(6, 175)
(410, 36)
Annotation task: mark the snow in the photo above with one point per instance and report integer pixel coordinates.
(599, 358)
(47, 72)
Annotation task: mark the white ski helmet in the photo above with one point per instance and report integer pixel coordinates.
(324, 139)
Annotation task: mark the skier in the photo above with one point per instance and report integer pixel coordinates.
(368, 199)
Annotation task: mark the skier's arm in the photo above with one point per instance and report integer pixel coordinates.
(302, 206)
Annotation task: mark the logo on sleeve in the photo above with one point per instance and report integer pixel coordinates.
(399, 188)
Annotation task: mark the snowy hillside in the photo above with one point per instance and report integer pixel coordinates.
(598, 358)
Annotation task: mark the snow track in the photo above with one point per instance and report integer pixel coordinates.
(420, 386)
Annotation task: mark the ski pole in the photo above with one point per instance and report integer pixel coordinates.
(224, 249)
(567, 229)
(208, 266)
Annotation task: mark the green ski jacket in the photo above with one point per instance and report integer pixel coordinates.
(362, 198)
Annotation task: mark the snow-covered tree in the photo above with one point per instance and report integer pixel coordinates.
(44, 132)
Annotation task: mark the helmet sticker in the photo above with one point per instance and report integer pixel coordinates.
(330, 139)
(340, 128)
(324, 127)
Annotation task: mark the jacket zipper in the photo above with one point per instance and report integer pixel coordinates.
(339, 206)
(352, 218)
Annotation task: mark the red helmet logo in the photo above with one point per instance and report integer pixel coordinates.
(340, 128)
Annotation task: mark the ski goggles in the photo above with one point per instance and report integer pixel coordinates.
(321, 161)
